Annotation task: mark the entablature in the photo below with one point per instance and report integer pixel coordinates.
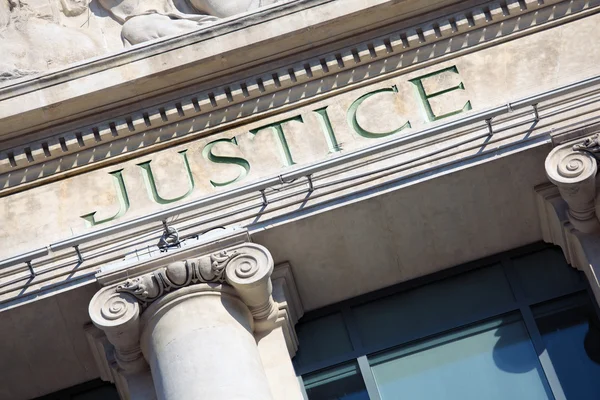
(77, 147)
(361, 165)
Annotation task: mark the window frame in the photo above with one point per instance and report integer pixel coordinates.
(522, 306)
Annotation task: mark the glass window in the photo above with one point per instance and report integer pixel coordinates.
(546, 274)
(322, 338)
(492, 361)
(571, 335)
(92, 390)
(434, 308)
(101, 393)
(467, 337)
(340, 383)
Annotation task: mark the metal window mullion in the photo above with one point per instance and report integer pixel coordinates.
(352, 330)
(302, 388)
(368, 378)
(543, 355)
(363, 362)
(534, 333)
(592, 296)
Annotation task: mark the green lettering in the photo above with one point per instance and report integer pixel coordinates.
(328, 130)
(418, 82)
(122, 197)
(353, 120)
(151, 183)
(240, 162)
(277, 128)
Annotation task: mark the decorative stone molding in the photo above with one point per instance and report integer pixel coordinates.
(118, 315)
(150, 120)
(136, 386)
(555, 225)
(136, 319)
(246, 268)
(290, 308)
(569, 211)
(573, 168)
(581, 250)
(148, 287)
(102, 351)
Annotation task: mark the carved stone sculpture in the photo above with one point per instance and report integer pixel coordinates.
(247, 269)
(38, 35)
(35, 36)
(149, 287)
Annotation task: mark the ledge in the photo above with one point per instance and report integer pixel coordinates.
(165, 65)
(107, 137)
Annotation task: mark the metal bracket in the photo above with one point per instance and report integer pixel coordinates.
(535, 111)
(264, 197)
(488, 122)
(311, 187)
(79, 255)
(32, 273)
(169, 238)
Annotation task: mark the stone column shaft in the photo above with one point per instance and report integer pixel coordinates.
(200, 346)
(194, 324)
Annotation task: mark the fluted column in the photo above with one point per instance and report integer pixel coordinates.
(195, 323)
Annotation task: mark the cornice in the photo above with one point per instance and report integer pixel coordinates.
(233, 45)
(93, 146)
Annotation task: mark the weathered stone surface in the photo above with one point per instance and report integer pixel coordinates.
(254, 153)
(38, 35)
(195, 334)
(221, 312)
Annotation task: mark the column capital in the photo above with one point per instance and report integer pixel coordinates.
(581, 250)
(230, 279)
(246, 267)
(569, 210)
(572, 167)
(118, 315)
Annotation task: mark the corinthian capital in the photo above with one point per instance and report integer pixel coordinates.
(572, 168)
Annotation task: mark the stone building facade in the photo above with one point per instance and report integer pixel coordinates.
(309, 199)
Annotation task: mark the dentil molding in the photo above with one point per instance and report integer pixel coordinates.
(60, 149)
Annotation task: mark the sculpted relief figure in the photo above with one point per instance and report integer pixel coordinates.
(39, 35)
(33, 37)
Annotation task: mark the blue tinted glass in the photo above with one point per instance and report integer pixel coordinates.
(340, 383)
(93, 390)
(545, 274)
(321, 339)
(434, 308)
(571, 335)
(495, 361)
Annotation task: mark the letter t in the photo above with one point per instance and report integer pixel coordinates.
(283, 144)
